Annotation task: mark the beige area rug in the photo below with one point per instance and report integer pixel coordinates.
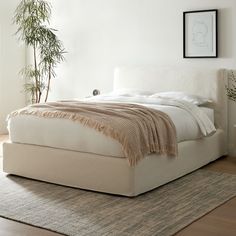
(69, 211)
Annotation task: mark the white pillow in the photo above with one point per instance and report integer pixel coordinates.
(195, 99)
(131, 92)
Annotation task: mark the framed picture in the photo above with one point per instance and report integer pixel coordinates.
(200, 34)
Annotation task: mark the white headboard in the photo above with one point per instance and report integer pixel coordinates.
(206, 82)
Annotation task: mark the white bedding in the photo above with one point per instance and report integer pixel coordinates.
(65, 134)
(205, 124)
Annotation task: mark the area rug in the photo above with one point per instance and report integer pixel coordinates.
(70, 211)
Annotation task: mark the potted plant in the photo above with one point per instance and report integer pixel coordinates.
(231, 89)
(32, 18)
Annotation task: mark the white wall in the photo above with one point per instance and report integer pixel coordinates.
(101, 34)
(12, 59)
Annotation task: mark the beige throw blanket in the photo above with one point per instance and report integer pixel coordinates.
(140, 130)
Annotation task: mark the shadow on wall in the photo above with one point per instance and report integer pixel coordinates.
(225, 33)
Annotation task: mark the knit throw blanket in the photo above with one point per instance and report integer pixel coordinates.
(139, 130)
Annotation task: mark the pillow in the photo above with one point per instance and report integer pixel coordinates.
(131, 92)
(194, 99)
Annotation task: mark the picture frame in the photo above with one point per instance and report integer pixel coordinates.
(200, 34)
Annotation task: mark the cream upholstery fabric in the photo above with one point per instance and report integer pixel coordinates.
(109, 174)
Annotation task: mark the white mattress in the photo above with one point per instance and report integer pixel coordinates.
(66, 134)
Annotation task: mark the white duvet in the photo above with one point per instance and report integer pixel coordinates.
(205, 124)
(191, 122)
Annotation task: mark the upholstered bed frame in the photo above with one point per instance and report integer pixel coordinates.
(113, 174)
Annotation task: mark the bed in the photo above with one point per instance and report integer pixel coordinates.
(45, 152)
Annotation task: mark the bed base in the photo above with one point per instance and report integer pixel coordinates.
(109, 174)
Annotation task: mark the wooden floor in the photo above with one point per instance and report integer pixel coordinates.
(222, 220)
(219, 222)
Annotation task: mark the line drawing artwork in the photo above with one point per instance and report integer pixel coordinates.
(200, 33)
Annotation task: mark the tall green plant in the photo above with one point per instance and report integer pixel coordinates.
(32, 18)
